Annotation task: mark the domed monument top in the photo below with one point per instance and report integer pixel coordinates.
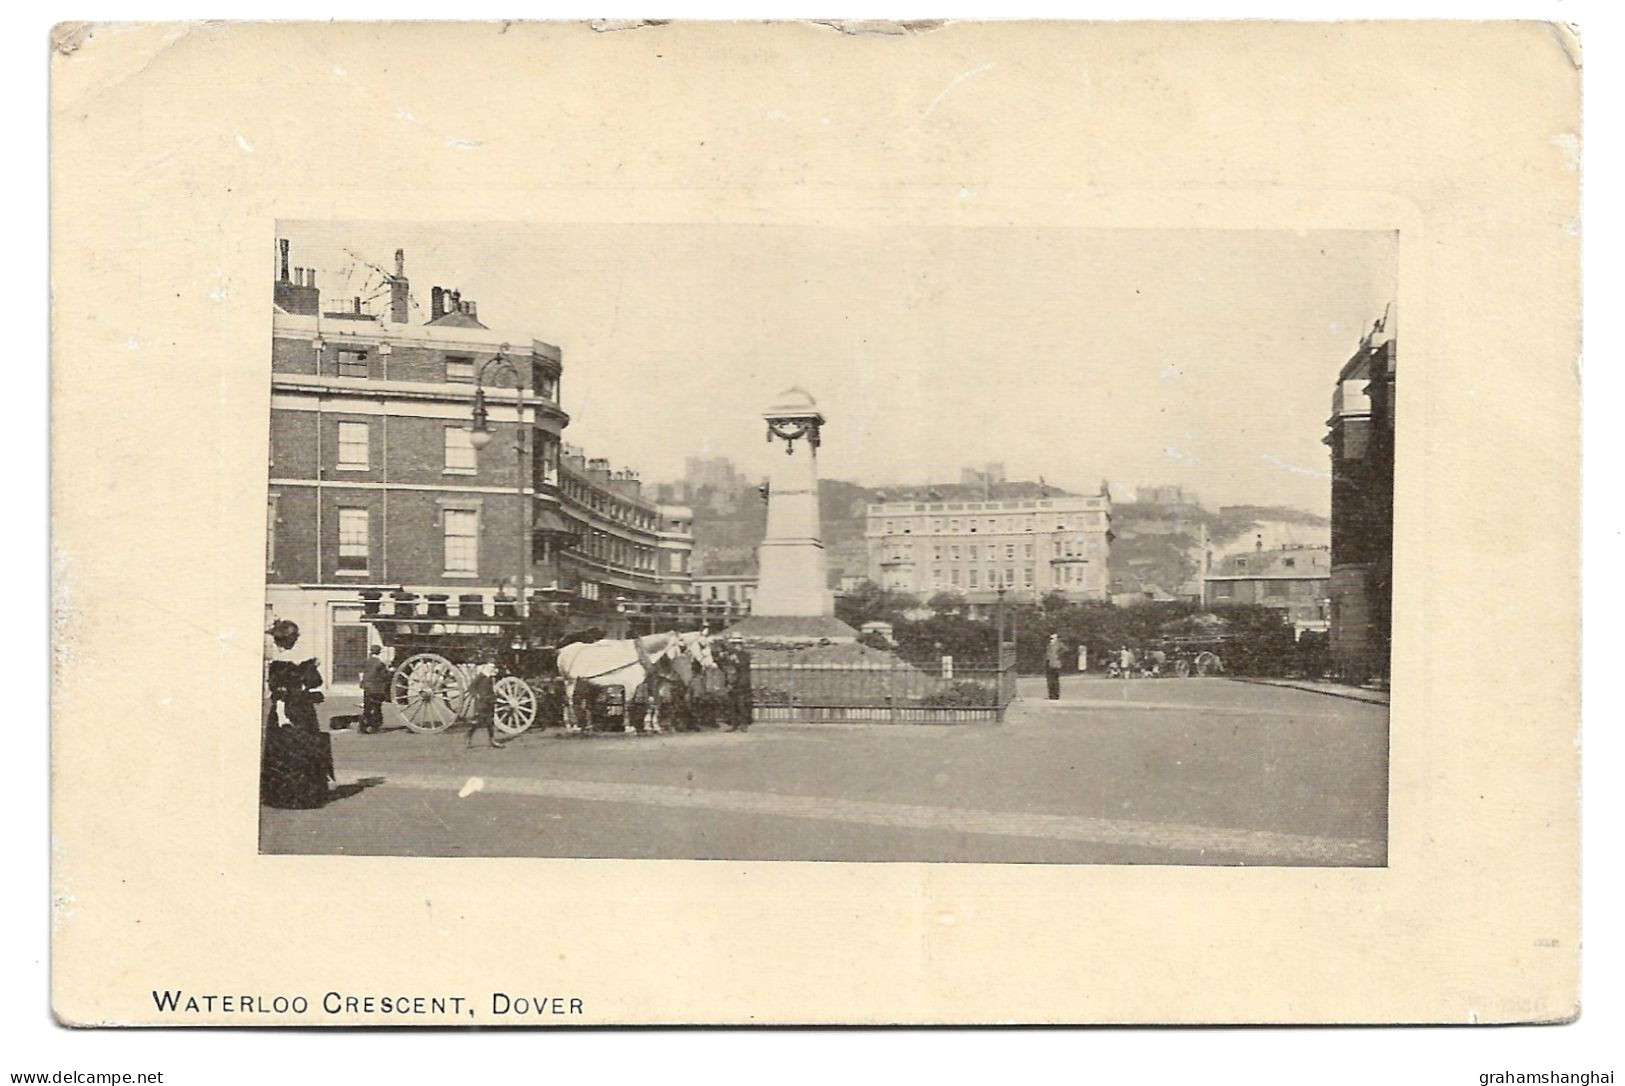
(794, 403)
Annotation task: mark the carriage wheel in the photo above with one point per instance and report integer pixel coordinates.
(1182, 668)
(1208, 664)
(430, 691)
(515, 706)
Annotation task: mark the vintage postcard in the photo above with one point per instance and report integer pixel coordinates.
(862, 523)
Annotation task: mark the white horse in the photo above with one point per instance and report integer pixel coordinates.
(631, 665)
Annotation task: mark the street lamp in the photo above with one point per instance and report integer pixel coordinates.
(480, 435)
(1000, 594)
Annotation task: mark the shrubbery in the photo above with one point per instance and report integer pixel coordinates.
(962, 695)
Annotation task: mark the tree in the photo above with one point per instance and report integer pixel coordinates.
(947, 602)
(868, 602)
(874, 639)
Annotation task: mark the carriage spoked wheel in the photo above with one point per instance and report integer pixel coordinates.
(515, 705)
(430, 691)
(1208, 663)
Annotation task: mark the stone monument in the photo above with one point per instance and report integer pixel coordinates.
(793, 601)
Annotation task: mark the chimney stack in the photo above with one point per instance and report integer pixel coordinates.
(473, 311)
(358, 305)
(296, 293)
(437, 303)
(399, 299)
(455, 303)
(1259, 546)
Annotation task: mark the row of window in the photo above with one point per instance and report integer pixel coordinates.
(460, 538)
(954, 577)
(1028, 523)
(1028, 503)
(609, 506)
(459, 369)
(974, 578)
(1071, 547)
(1225, 590)
(460, 531)
(607, 548)
(461, 458)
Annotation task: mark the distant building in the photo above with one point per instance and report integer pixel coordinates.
(1294, 580)
(1165, 495)
(1028, 545)
(730, 588)
(1361, 437)
(989, 474)
(712, 484)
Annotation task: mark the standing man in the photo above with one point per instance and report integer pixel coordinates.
(737, 673)
(1052, 666)
(482, 705)
(374, 689)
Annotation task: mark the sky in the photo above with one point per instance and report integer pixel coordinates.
(1204, 358)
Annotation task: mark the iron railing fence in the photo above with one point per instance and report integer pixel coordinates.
(897, 693)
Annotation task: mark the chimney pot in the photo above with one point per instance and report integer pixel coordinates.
(358, 306)
(473, 310)
(282, 244)
(310, 278)
(400, 263)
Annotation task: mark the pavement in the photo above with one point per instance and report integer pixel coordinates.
(1147, 771)
(1336, 690)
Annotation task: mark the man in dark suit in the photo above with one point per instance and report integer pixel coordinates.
(374, 689)
(735, 664)
(482, 704)
(1052, 667)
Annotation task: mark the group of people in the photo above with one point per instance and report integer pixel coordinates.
(714, 698)
(296, 756)
(1123, 663)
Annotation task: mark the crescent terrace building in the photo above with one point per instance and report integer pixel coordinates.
(382, 492)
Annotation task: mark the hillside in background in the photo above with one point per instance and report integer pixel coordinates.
(1157, 546)
(726, 533)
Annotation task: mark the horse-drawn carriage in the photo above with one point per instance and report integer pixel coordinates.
(543, 671)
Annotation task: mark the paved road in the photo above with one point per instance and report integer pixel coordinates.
(1148, 771)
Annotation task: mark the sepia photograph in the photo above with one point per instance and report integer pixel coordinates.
(819, 523)
(765, 543)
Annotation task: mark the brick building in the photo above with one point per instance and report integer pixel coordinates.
(1291, 579)
(377, 488)
(1361, 437)
(1022, 537)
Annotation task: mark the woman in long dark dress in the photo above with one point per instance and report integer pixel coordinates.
(296, 758)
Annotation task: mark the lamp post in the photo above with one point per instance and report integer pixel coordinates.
(1000, 594)
(480, 435)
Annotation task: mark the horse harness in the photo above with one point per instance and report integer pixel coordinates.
(645, 661)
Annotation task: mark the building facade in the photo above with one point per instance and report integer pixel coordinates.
(736, 590)
(1029, 546)
(1293, 580)
(377, 487)
(1361, 437)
